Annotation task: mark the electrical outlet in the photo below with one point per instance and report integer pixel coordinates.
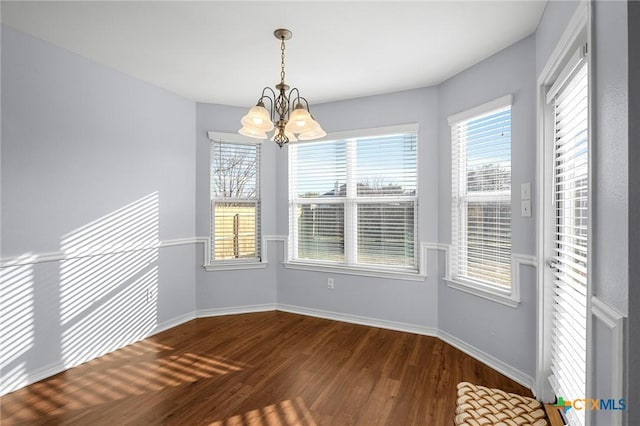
(330, 283)
(152, 294)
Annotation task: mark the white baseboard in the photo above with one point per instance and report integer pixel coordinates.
(32, 377)
(498, 365)
(356, 319)
(489, 360)
(246, 309)
(470, 350)
(59, 367)
(173, 323)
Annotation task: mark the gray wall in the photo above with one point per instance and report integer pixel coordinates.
(508, 334)
(94, 158)
(610, 177)
(610, 189)
(612, 132)
(378, 298)
(611, 168)
(610, 108)
(220, 290)
(555, 18)
(93, 163)
(634, 217)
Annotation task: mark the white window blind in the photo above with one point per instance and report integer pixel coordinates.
(571, 172)
(481, 195)
(353, 201)
(235, 201)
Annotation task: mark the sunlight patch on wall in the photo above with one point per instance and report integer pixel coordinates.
(103, 254)
(132, 226)
(123, 317)
(109, 285)
(17, 319)
(85, 281)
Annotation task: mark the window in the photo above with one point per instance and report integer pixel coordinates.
(235, 201)
(568, 97)
(481, 195)
(353, 200)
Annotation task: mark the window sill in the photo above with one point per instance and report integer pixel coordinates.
(408, 275)
(231, 266)
(487, 292)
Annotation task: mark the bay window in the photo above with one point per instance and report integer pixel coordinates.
(353, 200)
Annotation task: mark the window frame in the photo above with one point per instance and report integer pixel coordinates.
(351, 201)
(507, 295)
(562, 263)
(211, 263)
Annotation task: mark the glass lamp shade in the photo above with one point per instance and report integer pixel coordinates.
(315, 133)
(300, 121)
(257, 119)
(252, 133)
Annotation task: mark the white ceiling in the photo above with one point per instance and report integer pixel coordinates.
(224, 52)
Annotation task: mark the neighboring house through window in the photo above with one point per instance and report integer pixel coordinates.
(353, 199)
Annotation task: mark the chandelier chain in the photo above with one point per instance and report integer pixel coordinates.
(282, 60)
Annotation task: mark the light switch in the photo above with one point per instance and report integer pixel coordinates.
(525, 208)
(525, 191)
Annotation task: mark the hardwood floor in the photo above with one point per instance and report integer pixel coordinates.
(267, 369)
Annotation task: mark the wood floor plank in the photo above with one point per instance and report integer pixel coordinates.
(270, 368)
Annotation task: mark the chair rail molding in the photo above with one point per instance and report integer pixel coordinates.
(54, 256)
(615, 322)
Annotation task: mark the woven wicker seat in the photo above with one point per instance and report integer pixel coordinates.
(482, 406)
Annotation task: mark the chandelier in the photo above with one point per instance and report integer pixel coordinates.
(288, 113)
